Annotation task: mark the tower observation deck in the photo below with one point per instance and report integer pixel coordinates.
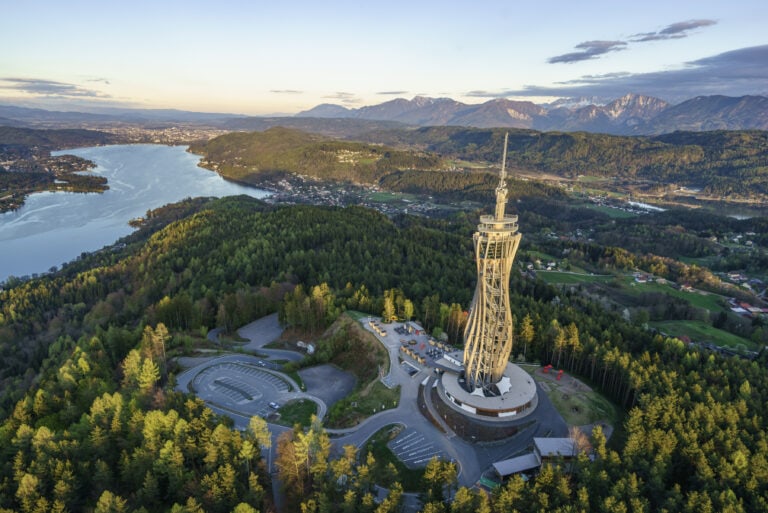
(488, 335)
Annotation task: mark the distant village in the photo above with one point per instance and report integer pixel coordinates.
(171, 135)
(304, 190)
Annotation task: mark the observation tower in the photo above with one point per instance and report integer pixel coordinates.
(481, 383)
(488, 336)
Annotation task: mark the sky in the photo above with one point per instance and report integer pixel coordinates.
(266, 57)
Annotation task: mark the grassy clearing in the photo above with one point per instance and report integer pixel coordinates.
(294, 375)
(390, 197)
(568, 278)
(707, 261)
(613, 213)
(711, 302)
(592, 179)
(411, 479)
(297, 412)
(232, 339)
(702, 332)
(541, 256)
(577, 404)
(354, 314)
(361, 404)
(458, 163)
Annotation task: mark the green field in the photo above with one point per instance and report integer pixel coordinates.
(592, 179)
(361, 404)
(297, 412)
(530, 256)
(358, 316)
(538, 254)
(568, 278)
(578, 407)
(390, 197)
(711, 302)
(699, 331)
(611, 212)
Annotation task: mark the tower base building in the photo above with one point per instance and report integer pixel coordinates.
(516, 395)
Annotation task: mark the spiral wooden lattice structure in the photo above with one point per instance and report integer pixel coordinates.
(488, 336)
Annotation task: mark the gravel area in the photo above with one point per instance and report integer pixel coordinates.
(327, 382)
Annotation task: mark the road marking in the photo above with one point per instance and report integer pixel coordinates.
(415, 449)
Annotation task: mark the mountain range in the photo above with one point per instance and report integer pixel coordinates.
(629, 115)
(632, 114)
(14, 115)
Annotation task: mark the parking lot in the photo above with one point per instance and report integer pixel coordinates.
(414, 449)
(328, 383)
(240, 386)
(410, 368)
(415, 345)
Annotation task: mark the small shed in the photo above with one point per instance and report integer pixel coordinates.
(524, 463)
(415, 328)
(553, 448)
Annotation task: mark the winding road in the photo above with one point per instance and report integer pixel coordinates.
(472, 459)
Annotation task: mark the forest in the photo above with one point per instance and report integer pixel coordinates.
(90, 421)
(720, 162)
(58, 139)
(723, 164)
(246, 155)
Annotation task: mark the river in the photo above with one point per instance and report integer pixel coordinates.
(55, 227)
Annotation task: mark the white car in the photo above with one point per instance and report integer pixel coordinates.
(273, 404)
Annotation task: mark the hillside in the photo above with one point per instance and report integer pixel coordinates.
(90, 421)
(216, 248)
(712, 113)
(721, 163)
(250, 156)
(110, 117)
(334, 127)
(53, 139)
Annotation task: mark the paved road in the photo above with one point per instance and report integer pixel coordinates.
(259, 333)
(200, 380)
(262, 332)
(407, 414)
(472, 459)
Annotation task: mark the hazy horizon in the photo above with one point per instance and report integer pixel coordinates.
(261, 59)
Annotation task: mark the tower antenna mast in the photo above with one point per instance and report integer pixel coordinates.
(504, 160)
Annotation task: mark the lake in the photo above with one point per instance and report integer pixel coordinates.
(55, 227)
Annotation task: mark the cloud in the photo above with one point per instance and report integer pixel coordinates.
(392, 93)
(101, 80)
(677, 30)
(344, 97)
(49, 88)
(589, 50)
(286, 91)
(735, 73)
(594, 49)
(482, 93)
